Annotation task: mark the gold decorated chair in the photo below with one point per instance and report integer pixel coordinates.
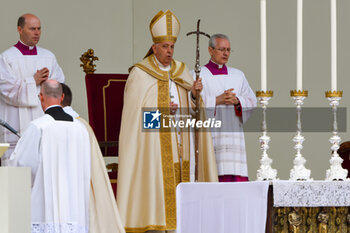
(105, 104)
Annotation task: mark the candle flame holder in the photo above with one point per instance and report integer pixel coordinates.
(265, 172)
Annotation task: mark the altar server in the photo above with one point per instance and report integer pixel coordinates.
(57, 149)
(229, 98)
(23, 67)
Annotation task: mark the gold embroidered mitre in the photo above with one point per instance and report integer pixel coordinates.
(164, 27)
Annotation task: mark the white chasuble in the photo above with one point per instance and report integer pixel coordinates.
(229, 144)
(19, 102)
(58, 152)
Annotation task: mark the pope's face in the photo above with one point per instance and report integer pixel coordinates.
(221, 53)
(164, 52)
(31, 31)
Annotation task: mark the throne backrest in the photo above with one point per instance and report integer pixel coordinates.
(105, 104)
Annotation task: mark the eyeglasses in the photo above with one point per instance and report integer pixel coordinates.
(224, 49)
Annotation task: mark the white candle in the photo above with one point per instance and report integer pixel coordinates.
(334, 45)
(263, 44)
(300, 45)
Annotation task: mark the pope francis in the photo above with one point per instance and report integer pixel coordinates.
(152, 163)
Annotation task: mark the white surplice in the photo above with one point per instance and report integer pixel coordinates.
(229, 144)
(19, 102)
(103, 211)
(58, 152)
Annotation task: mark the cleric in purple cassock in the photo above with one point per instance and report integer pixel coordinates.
(23, 67)
(229, 98)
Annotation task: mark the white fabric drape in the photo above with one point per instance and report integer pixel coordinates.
(222, 207)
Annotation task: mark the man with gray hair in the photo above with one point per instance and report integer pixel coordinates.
(23, 67)
(229, 98)
(57, 149)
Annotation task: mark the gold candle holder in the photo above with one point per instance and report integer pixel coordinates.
(264, 94)
(304, 93)
(330, 94)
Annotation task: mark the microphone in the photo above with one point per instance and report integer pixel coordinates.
(7, 126)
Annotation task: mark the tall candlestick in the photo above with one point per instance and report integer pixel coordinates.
(334, 45)
(300, 45)
(263, 44)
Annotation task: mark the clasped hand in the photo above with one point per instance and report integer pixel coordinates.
(227, 98)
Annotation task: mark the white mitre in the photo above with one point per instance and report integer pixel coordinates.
(164, 27)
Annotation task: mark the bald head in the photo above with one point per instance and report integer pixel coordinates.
(51, 88)
(29, 29)
(50, 93)
(22, 19)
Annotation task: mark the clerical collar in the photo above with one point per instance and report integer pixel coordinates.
(216, 69)
(53, 106)
(161, 66)
(25, 49)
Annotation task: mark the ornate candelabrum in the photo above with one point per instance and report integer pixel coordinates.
(265, 172)
(299, 172)
(336, 171)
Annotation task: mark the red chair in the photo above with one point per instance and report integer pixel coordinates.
(105, 94)
(113, 176)
(344, 153)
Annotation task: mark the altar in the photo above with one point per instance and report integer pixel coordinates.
(258, 207)
(311, 206)
(222, 207)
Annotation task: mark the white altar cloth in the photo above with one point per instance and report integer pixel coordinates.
(222, 207)
(311, 193)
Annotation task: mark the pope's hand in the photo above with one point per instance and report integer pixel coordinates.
(173, 108)
(197, 86)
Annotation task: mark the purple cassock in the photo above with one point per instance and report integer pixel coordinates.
(26, 50)
(215, 70)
